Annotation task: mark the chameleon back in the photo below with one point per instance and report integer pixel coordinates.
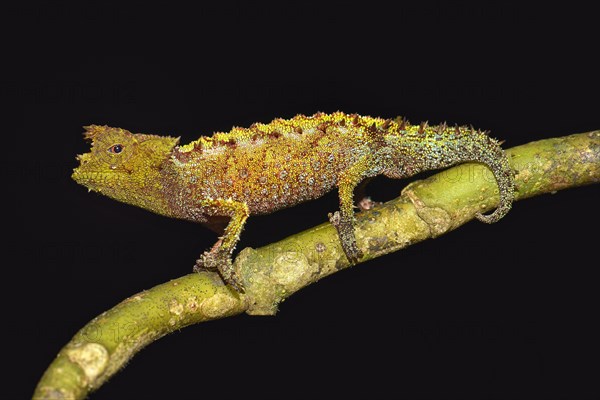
(271, 166)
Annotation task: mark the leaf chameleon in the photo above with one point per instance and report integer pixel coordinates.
(221, 180)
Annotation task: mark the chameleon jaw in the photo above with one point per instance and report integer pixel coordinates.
(91, 179)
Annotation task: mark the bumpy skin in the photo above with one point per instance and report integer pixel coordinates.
(221, 180)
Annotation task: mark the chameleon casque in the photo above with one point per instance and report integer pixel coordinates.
(221, 180)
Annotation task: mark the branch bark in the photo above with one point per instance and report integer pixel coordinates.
(426, 209)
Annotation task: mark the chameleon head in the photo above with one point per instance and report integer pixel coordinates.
(124, 166)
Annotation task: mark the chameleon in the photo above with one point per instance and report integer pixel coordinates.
(221, 180)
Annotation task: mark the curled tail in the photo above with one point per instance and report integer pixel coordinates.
(489, 152)
(417, 148)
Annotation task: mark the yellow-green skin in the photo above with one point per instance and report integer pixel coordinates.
(221, 180)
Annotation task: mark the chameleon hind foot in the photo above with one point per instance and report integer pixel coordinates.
(346, 234)
(210, 261)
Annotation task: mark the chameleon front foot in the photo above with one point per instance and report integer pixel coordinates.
(213, 262)
(346, 234)
(366, 203)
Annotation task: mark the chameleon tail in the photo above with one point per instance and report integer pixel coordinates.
(420, 147)
(489, 152)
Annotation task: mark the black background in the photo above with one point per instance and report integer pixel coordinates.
(508, 310)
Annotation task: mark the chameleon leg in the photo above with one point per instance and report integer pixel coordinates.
(219, 256)
(343, 220)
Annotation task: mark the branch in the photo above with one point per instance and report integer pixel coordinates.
(426, 209)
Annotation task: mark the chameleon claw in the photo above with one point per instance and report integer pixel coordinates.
(334, 218)
(353, 253)
(347, 239)
(210, 261)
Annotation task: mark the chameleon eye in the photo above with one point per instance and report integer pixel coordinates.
(115, 149)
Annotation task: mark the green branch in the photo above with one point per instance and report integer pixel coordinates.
(426, 209)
